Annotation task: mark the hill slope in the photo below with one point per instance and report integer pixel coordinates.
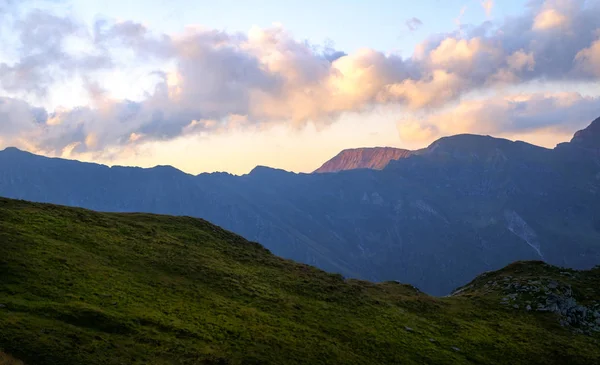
(79, 287)
(376, 158)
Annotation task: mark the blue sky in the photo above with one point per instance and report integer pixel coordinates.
(350, 24)
(228, 85)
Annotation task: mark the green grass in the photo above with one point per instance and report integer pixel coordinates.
(6, 359)
(80, 287)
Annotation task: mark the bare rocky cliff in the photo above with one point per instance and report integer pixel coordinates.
(376, 158)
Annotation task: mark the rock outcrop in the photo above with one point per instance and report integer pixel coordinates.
(375, 158)
(570, 295)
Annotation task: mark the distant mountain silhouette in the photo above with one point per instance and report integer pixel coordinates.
(435, 219)
(375, 158)
(589, 137)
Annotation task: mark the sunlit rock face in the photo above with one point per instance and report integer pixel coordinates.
(376, 158)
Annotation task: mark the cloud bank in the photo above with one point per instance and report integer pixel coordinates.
(513, 114)
(216, 80)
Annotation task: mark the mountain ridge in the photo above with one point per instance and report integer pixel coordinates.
(588, 137)
(433, 220)
(378, 163)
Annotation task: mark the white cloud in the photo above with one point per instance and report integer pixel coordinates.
(487, 6)
(589, 58)
(432, 90)
(44, 54)
(521, 60)
(509, 116)
(550, 19)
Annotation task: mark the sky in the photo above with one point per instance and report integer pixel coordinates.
(225, 86)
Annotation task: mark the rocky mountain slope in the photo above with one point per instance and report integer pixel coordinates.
(79, 287)
(465, 205)
(376, 158)
(571, 296)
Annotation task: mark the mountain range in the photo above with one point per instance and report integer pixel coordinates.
(434, 219)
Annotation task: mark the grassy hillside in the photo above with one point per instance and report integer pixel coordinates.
(79, 287)
(6, 359)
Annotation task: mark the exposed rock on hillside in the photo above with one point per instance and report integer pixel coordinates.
(568, 294)
(375, 158)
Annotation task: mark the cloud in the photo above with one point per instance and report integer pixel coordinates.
(487, 6)
(510, 115)
(108, 34)
(588, 59)
(521, 60)
(19, 121)
(549, 19)
(44, 57)
(210, 81)
(413, 24)
(458, 19)
(10, 8)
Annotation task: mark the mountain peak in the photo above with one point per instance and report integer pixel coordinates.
(468, 141)
(266, 170)
(12, 150)
(15, 153)
(473, 146)
(375, 158)
(588, 137)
